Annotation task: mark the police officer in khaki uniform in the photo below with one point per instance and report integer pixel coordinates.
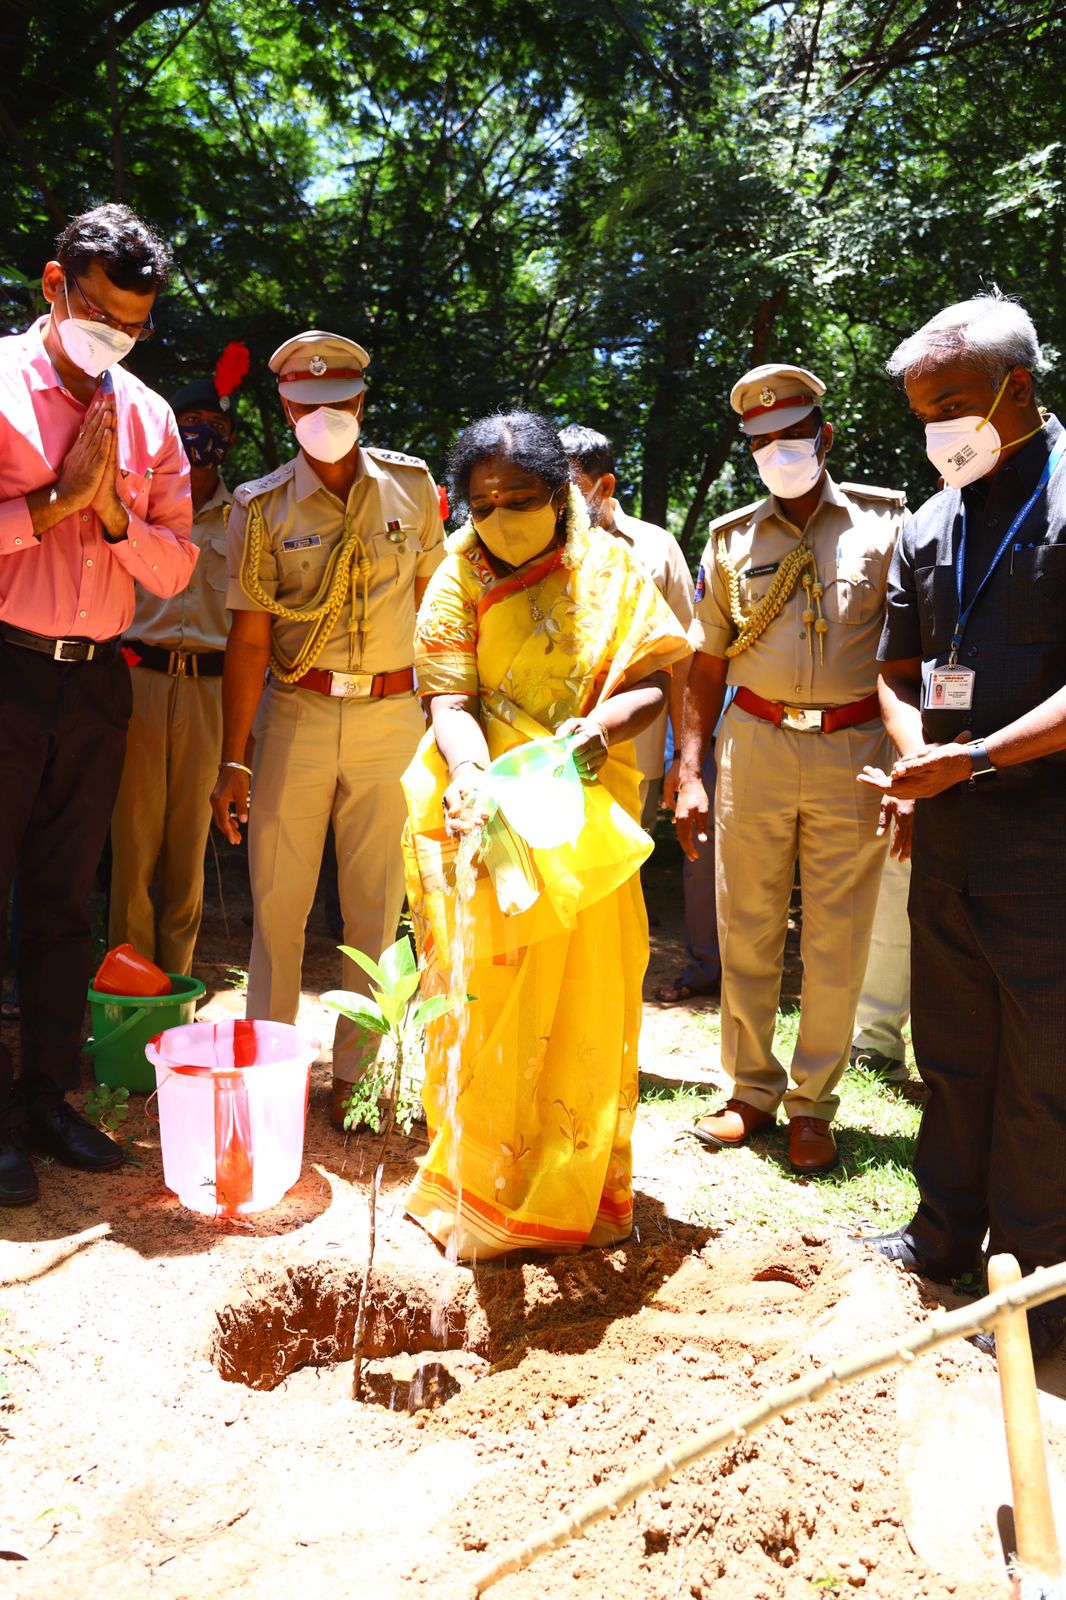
(328, 559)
(790, 599)
(661, 557)
(175, 649)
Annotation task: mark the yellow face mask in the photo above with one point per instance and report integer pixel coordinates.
(517, 537)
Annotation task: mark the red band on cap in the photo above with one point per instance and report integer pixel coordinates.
(779, 405)
(330, 372)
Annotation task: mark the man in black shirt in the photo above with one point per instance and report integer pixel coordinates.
(974, 640)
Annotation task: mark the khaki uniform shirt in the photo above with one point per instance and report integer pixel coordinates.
(661, 557)
(853, 533)
(396, 512)
(194, 619)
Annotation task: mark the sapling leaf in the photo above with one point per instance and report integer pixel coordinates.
(394, 1006)
(396, 962)
(405, 986)
(436, 1006)
(358, 1008)
(369, 966)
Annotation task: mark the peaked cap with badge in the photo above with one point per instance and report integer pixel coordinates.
(318, 369)
(775, 396)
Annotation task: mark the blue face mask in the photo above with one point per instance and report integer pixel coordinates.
(205, 444)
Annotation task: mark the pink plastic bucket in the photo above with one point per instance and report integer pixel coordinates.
(232, 1112)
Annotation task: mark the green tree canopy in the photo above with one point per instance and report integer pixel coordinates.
(607, 209)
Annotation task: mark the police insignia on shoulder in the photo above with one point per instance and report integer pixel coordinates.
(701, 583)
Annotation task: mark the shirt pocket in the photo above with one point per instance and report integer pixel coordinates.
(133, 489)
(754, 584)
(394, 555)
(938, 607)
(213, 562)
(301, 571)
(1036, 594)
(856, 595)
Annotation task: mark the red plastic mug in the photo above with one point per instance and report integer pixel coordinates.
(123, 971)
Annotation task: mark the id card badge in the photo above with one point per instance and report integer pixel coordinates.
(951, 689)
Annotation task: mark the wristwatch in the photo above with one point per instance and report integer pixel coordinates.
(982, 766)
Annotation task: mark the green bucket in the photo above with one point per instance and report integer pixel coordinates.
(123, 1025)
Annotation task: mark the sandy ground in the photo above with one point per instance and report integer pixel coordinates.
(183, 1426)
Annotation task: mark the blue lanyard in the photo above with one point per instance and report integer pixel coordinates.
(960, 559)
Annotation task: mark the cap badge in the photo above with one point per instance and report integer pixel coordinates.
(767, 397)
(317, 366)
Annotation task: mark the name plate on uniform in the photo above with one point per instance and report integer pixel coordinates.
(307, 542)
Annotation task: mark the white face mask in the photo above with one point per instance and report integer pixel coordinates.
(965, 448)
(92, 346)
(517, 536)
(789, 467)
(326, 434)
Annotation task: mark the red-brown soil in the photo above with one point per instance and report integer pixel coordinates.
(184, 1426)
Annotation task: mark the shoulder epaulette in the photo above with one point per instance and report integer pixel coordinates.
(867, 491)
(396, 458)
(246, 492)
(741, 514)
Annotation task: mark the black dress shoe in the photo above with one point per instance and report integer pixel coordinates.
(1047, 1330)
(59, 1131)
(18, 1181)
(899, 1246)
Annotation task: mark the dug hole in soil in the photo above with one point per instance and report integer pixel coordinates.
(183, 1424)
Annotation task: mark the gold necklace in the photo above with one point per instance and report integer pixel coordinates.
(535, 611)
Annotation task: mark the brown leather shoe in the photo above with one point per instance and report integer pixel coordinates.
(734, 1124)
(812, 1149)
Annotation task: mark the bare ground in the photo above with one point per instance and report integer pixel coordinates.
(183, 1425)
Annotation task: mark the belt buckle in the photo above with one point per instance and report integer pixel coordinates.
(59, 653)
(353, 685)
(801, 719)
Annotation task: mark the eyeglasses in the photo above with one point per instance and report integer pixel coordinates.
(133, 330)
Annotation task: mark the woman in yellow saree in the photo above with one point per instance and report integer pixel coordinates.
(535, 624)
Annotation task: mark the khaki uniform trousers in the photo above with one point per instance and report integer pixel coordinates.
(162, 817)
(781, 795)
(885, 1001)
(316, 757)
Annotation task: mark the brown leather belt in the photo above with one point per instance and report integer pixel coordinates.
(178, 663)
(808, 719)
(359, 685)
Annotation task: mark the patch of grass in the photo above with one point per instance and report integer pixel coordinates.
(872, 1189)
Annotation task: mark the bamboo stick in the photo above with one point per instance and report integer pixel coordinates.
(1043, 1284)
(1035, 1542)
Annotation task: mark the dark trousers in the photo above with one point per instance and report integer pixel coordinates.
(988, 976)
(62, 741)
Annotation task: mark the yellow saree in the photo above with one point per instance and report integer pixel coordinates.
(534, 1153)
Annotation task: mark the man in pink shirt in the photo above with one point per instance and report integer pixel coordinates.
(94, 494)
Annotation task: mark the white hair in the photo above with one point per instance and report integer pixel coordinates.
(990, 333)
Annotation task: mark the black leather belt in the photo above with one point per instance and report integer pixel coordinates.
(66, 650)
(178, 663)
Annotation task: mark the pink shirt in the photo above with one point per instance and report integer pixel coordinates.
(73, 583)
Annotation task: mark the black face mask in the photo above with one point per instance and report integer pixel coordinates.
(205, 445)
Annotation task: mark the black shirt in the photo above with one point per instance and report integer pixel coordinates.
(1005, 834)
